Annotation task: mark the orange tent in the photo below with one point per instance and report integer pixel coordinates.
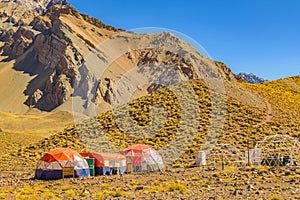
(141, 158)
(51, 164)
(108, 163)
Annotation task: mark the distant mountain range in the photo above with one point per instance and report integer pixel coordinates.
(251, 78)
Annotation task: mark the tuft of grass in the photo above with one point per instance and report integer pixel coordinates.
(230, 188)
(27, 193)
(71, 194)
(50, 195)
(175, 186)
(65, 188)
(230, 170)
(105, 186)
(196, 178)
(263, 170)
(275, 197)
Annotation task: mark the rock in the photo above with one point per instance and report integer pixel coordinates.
(18, 48)
(39, 24)
(19, 42)
(226, 71)
(1, 130)
(6, 36)
(139, 188)
(250, 187)
(36, 96)
(6, 50)
(49, 50)
(11, 19)
(287, 173)
(23, 32)
(57, 90)
(105, 91)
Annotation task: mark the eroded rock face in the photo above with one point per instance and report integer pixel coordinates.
(226, 71)
(16, 43)
(49, 54)
(36, 96)
(39, 24)
(58, 89)
(105, 91)
(50, 51)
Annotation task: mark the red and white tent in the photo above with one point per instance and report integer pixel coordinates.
(142, 158)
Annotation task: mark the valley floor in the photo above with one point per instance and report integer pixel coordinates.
(193, 183)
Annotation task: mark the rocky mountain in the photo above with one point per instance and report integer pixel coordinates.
(40, 6)
(251, 78)
(62, 55)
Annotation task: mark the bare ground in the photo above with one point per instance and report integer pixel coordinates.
(195, 183)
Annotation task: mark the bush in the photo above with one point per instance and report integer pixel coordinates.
(263, 170)
(275, 197)
(175, 186)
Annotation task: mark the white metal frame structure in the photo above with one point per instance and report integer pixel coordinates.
(279, 150)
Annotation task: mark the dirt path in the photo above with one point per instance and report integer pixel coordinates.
(269, 113)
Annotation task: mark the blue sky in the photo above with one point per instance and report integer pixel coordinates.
(259, 36)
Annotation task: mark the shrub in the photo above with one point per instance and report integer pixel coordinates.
(71, 194)
(175, 186)
(230, 170)
(263, 170)
(275, 197)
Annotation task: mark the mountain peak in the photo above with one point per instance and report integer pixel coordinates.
(40, 6)
(251, 78)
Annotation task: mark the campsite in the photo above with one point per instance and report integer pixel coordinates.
(134, 107)
(63, 162)
(138, 172)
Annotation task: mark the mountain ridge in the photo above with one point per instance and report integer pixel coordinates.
(251, 78)
(41, 6)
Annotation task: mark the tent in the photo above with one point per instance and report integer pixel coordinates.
(108, 163)
(142, 158)
(50, 166)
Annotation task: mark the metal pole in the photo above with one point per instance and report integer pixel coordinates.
(248, 152)
(223, 162)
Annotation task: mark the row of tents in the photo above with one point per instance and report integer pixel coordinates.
(136, 158)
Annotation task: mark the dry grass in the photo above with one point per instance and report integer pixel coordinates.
(242, 124)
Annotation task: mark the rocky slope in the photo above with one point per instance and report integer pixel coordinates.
(41, 48)
(68, 56)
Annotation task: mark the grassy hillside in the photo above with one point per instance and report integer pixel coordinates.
(243, 123)
(284, 96)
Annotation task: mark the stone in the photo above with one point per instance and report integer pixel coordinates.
(250, 187)
(36, 96)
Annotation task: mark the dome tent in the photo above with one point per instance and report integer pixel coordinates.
(108, 163)
(50, 166)
(142, 158)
